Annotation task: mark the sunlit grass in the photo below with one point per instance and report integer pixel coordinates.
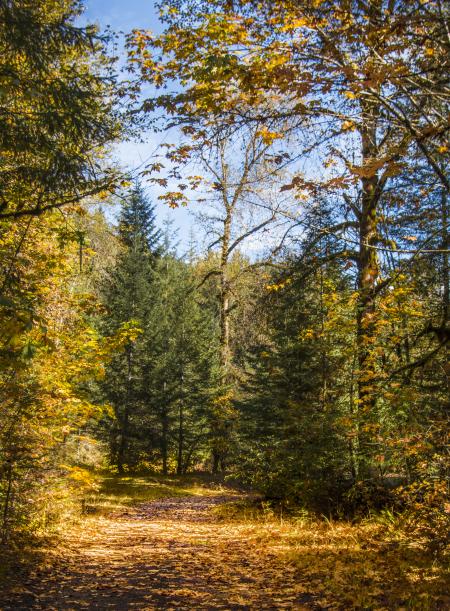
(115, 492)
(361, 565)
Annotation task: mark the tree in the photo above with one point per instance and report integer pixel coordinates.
(238, 203)
(50, 355)
(58, 108)
(127, 295)
(295, 442)
(58, 116)
(181, 342)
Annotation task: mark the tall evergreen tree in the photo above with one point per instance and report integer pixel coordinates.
(180, 353)
(290, 431)
(137, 223)
(127, 295)
(57, 107)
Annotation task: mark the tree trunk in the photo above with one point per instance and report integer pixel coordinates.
(123, 441)
(180, 430)
(368, 269)
(368, 272)
(164, 435)
(6, 507)
(219, 425)
(216, 461)
(225, 301)
(353, 441)
(445, 259)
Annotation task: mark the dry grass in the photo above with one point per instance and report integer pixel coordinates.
(193, 553)
(368, 565)
(114, 492)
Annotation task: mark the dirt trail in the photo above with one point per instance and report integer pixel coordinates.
(169, 554)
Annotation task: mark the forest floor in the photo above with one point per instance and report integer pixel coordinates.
(152, 543)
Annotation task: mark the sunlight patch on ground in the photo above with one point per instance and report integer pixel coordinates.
(188, 546)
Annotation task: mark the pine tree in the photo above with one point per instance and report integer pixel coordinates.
(180, 352)
(290, 432)
(127, 296)
(137, 223)
(58, 107)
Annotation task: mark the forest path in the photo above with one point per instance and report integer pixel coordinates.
(173, 553)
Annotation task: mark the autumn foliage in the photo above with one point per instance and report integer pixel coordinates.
(300, 347)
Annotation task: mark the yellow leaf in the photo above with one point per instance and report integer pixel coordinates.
(294, 24)
(267, 136)
(348, 125)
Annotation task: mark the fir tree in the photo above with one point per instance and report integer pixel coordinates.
(128, 296)
(180, 352)
(289, 428)
(137, 223)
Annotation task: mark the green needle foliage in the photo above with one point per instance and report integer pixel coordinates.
(57, 107)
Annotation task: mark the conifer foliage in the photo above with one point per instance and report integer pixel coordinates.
(56, 107)
(159, 387)
(127, 295)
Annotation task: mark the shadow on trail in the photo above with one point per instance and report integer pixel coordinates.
(167, 554)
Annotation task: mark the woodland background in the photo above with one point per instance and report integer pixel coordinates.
(302, 347)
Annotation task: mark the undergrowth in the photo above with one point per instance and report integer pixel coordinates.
(366, 564)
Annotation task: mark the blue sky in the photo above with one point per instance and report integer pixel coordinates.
(123, 16)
